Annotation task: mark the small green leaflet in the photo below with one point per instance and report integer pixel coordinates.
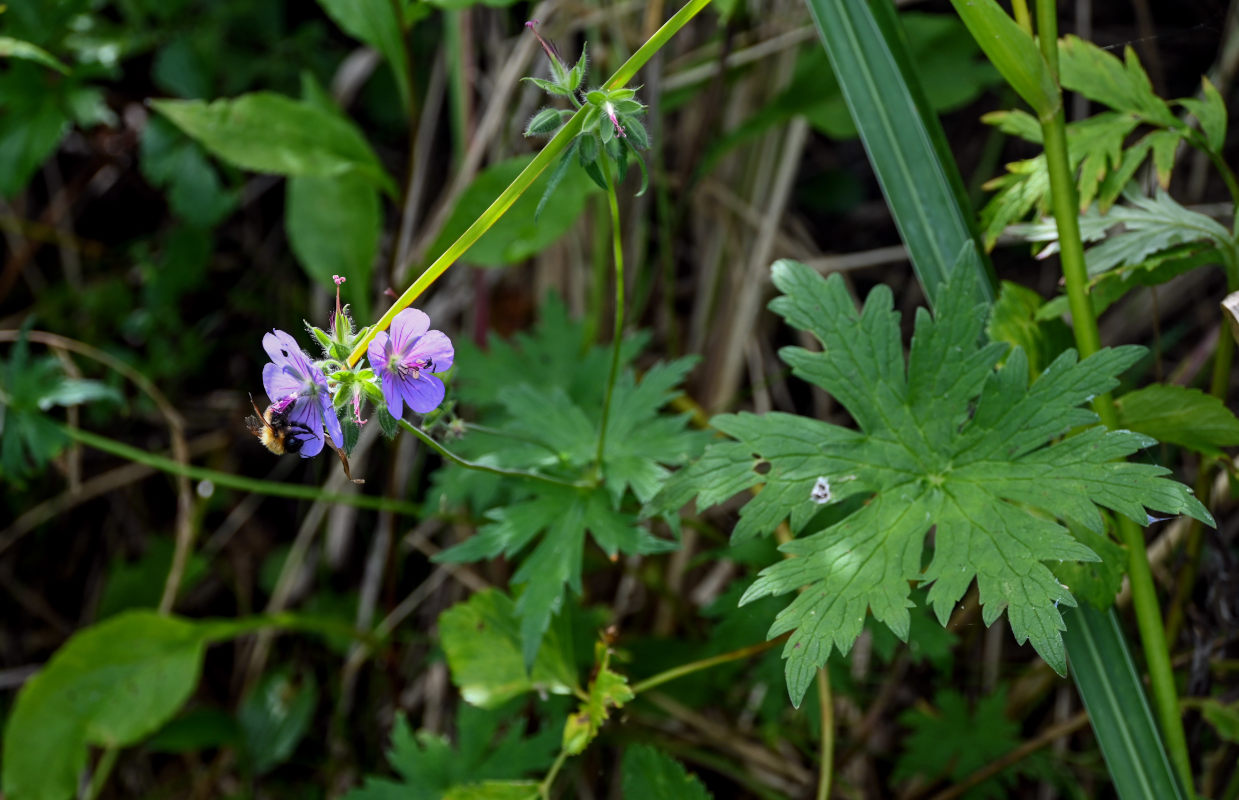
(945, 442)
(481, 765)
(607, 690)
(649, 774)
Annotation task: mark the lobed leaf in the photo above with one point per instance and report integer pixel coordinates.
(947, 442)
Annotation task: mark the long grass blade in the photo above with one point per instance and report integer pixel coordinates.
(1110, 686)
(906, 145)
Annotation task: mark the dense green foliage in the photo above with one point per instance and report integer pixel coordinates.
(585, 517)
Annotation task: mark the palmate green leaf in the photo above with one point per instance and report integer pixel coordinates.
(649, 774)
(944, 442)
(956, 741)
(540, 402)
(431, 769)
(494, 790)
(1180, 415)
(270, 132)
(482, 640)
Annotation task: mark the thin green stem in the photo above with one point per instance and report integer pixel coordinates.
(1019, 10)
(103, 770)
(230, 481)
(705, 663)
(544, 788)
(617, 333)
(474, 465)
(545, 157)
(1088, 341)
(826, 752)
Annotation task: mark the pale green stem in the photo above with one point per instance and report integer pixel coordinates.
(617, 334)
(525, 179)
(544, 788)
(511, 473)
(1088, 341)
(826, 753)
(103, 770)
(705, 663)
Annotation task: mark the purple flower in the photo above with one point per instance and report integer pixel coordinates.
(405, 360)
(299, 394)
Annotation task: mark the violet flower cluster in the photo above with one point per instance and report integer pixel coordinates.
(306, 395)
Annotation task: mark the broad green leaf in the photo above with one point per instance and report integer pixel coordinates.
(1113, 694)
(269, 132)
(333, 228)
(517, 235)
(275, 716)
(607, 690)
(430, 768)
(649, 774)
(16, 48)
(906, 146)
(482, 640)
(172, 161)
(108, 686)
(1012, 51)
(944, 441)
(374, 22)
(1179, 415)
(1210, 112)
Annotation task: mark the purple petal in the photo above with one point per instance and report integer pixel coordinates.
(391, 394)
(436, 346)
(284, 349)
(332, 422)
(422, 394)
(278, 383)
(378, 351)
(406, 327)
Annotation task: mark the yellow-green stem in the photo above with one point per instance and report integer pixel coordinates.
(1088, 341)
(558, 143)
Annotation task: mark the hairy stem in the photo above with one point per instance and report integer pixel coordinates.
(1088, 341)
(617, 333)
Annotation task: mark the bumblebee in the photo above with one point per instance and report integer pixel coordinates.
(278, 434)
(275, 430)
